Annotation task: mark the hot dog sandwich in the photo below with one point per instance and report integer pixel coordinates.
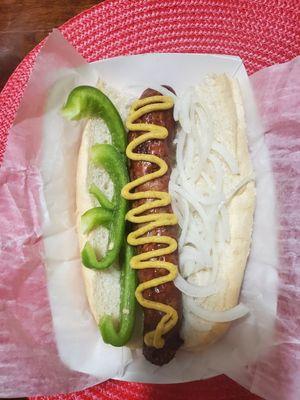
(165, 202)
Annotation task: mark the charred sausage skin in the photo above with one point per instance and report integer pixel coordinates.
(166, 293)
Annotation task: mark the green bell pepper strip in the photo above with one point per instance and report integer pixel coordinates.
(100, 196)
(89, 102)
(127, 305)
(94, 217)
(112, 161)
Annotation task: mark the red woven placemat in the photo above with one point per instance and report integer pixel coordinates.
(261, 32)
(219, 388)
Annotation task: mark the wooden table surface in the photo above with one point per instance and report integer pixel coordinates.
(24, 23)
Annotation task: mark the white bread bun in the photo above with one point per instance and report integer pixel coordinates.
(103, 287)
(223, 99)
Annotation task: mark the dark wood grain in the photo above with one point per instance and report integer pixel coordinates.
(24, 23)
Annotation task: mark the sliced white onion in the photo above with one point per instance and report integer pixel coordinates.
(182, 210)
(174, 175)
(192, 267)
(207, 179)
(179, 155)
(192, 290)
(185, 225)
(165, 91)
(184, 114)
(206, 133)
(227, 156)
(189, 155)
(191, 199)
(242, 183)
(192, 253)
(201, 210)
(195, 240)
(195, 191)
(193, 260)
(218, 172)
(232, 314)
(176, 109)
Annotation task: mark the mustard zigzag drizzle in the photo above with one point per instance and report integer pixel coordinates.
(151, 221)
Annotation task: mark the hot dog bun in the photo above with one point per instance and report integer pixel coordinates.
(103, 288)
(224, 100)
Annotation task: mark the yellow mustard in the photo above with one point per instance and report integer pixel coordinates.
(151, 221)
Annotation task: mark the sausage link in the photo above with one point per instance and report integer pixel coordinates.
(166, 293)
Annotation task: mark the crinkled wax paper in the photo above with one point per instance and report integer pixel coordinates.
(37, 235)
(29, 361)
(277, 89)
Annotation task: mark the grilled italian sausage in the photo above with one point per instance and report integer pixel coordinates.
(166, 293)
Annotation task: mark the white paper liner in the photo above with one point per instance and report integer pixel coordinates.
(247, 337)
(28, 354)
